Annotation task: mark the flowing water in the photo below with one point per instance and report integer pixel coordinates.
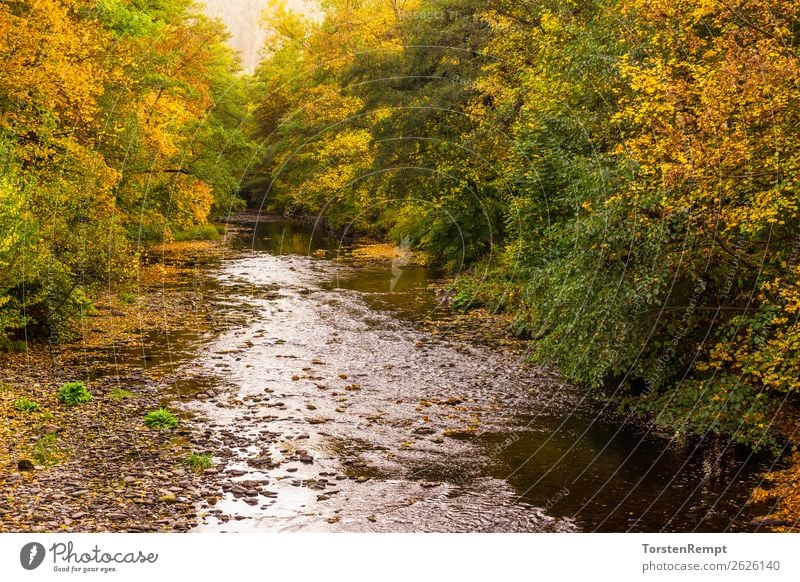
(354, 403)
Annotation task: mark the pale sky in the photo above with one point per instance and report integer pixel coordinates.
(241, 17)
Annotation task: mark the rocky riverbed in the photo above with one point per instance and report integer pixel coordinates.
(96, 466)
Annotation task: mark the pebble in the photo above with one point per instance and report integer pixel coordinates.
(117, 516)
(424, 430)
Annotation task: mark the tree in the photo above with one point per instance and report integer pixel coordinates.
(119, 121)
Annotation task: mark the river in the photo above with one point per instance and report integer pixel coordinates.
(352, 401)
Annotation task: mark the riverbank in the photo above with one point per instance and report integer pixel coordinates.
(96, 466)
(780, 488)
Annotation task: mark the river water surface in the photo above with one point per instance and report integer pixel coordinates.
(353, 403)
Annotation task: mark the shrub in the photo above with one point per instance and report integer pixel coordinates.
(199, 461)
(149, 228)
(52, 305)
(25, 405)
(73, 393)
(127, 297)
(203, 232)
(160, 419)
(722, 405)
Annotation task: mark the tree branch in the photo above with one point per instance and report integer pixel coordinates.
(738, 256)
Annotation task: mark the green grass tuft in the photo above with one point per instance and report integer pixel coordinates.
(127, 297)
(48, 451)
(199, 461)
(119, 393)
(73, 393)
(25, 405)
(160, 419)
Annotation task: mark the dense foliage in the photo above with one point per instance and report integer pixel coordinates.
(619, 174)
(119, 123)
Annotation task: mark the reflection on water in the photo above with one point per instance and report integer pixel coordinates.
(285, 237)
(402, 289)
(624, 479)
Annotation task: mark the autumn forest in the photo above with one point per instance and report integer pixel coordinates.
(616, 180)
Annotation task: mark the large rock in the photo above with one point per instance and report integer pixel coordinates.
(25, 465)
